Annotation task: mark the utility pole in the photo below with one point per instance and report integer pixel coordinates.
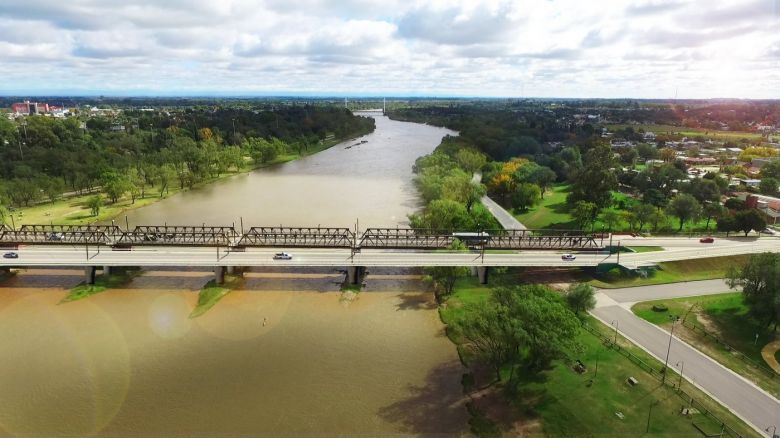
(669, 347)
(615, 323)
(681, 365)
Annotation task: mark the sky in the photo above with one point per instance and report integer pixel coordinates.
(490, 48)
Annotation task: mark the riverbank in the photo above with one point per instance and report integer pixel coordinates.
(74, 210)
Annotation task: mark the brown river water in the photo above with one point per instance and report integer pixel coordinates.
(282, 354)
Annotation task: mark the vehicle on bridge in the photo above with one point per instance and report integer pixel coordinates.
(706, 240)
(472, 239)
(10, 255)
(568, 257)
(282, 256)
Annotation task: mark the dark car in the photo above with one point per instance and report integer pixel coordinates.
(10, 255)
(706, 240)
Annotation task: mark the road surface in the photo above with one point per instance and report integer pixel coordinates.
(742, 397)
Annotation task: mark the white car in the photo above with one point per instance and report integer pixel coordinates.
(568, 257)
(282, 256)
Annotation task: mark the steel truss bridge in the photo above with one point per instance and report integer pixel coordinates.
(293, 237)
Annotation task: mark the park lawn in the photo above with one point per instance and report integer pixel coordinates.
(551, 212)
(670, 272)
(725, 316)
(692, 132)
(566, 406)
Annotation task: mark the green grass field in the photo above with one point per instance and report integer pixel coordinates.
(692, 132)
(119, 278)
(670, 272)
(727, 317)
(566, 403)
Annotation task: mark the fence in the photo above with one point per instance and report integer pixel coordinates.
(725, 429)
(736, 353)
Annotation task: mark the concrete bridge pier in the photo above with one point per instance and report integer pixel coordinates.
(107, 270)
(355, 274)
(89, 274)
(219, 274)
(482, 273)
(474, 271)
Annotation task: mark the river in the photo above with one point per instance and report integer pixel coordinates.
(284, 353)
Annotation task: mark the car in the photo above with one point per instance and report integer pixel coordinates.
(706, 240)
(10, 255)
(282, 256)
(568, 257)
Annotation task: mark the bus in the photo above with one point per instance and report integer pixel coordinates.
(472, 239)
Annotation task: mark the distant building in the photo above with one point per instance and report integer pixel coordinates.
(29, 108)
(768, 205)
(649, 136)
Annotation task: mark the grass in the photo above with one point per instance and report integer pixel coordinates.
(725, 316)
(693, 132)
(551, 212)
(566, 403)
(102, 283)
(211, 293)
(669, 272)
(645, 248)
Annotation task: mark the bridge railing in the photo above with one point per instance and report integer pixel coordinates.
(297, 237)
(178, 235)
(403, 238)
(536, 239)
(87, 237)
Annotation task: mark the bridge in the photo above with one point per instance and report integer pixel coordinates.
(226, 249)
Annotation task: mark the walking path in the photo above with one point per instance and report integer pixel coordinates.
(507, 221)
(742, 397)
(768, 353)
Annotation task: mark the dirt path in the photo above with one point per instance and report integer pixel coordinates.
(768, 353)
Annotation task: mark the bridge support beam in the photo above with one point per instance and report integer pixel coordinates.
(355, 274)
(89, 274)
(482, 273)
(219, 274)
(474, 271)
(107, 270)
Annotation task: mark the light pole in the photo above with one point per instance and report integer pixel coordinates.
(774, 430)
(615, 323)
(681, 366)
(669, 347)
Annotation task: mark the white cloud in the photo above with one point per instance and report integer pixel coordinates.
(645, 48)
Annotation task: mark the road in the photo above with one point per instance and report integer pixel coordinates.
(67, 255)
(507, 221)
(742, 397)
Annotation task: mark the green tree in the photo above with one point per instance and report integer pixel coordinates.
(459, 187)
(760, 283)
(95, 203)
(771, 170)
(643, 213)
(444, 277)
(610, 218)
(712, 210)
(596, 181)
(749, 220)
(581, 297)
(585, 214)
(470, 160)
(726, 223)
(542, 177)
(684, 207)
(115, 185)
(443, 214)
(769, 186)
(525, 195)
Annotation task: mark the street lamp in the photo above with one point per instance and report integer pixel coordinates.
(681, 366)
(615, 323)
(774, 430)
(669, 347)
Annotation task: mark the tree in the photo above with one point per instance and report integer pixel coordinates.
(94, 203)
(543, 177)
(610, 219)
(484, 329)
(470, 160)
(444, 277)
(760, 283)
(166, 175)
(584, 213)
(458, 186)
(581, 297)
(769, 186)
(726, 223)
(704, 190)
(771, 170)
(525, 195)
(595, 182)
(443, 214)
(685, 207)
(667, 154)
(643, 213)
(115, 185)
(749, 220)
(735, 204)
(712, 210)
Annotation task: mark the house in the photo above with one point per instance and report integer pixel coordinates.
(649, 136)
(750, 182)
(768, 205)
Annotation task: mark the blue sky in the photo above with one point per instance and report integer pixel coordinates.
(543, 48)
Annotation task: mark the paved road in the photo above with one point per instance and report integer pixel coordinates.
(507, 221)
(746, 400)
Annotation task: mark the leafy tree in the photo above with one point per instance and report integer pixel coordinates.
(470, 160)
(771, 170)
(525, 195)
(443, 214)
(726, 223)
(735, 204)
(712, 210)
(749, 220)
(115, 185)
(769, 186)
(667, 154)
(643, 213)
(581, 297)
(95, 203)
(704, 190)
(458, 186)
(595, 182)
(485, 330)
(444, 277)
(760, 283)
(543, 177)
(684, 207)
(585, 214)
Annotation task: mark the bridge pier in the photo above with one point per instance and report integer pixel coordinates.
(107, 270)
(474, 271)
(482, 273)
(355, 274)
(219, 274)
(89, 274)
